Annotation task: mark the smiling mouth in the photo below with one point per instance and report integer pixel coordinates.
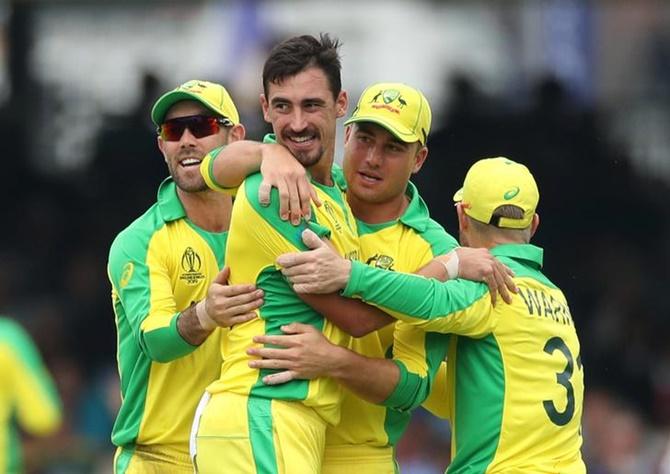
(188, 162)
(301, 140)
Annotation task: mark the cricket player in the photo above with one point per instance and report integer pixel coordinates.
(28, 397)
(516, 382)
(169, 289)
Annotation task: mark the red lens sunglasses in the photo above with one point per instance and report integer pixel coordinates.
(199, 125)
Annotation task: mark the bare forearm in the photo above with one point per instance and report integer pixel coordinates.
(370, 378)
(237, 161)
(351, 315)
(189, 327)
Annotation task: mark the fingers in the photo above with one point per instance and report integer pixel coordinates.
(222, 277)
(314, 196)
(294, 203)
(264, 193)
(288, 260)
(311, 240)
(277, 340)
(242, 318)
(493, 288)
(305, 191)
(279, 378)
(295, 328)
(267, 353)
(282, 190)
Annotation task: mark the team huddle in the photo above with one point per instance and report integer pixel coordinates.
(278, 313)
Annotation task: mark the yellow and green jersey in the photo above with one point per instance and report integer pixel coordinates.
(405, 245)
(257, 237)
(158, 266)
(28, 398)
(515, 377)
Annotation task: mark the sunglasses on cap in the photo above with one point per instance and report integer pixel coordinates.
(199, 125)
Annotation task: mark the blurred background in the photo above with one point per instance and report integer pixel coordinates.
(577, 90)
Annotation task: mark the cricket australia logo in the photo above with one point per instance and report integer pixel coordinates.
(381, 261)
(190, 264)
(389, 99)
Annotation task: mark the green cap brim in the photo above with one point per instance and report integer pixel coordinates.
(168, 99)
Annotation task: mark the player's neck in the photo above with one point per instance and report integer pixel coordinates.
(321, 172)
(378, 213)
(208, 210)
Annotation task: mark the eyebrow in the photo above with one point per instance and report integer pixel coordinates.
(368, 127)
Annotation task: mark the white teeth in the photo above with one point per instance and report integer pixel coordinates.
(301, 139)
(189, 162)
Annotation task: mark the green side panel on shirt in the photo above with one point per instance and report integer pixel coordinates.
(123, 460)
(259, 414)
(479, 402)
(282, 306)
(132, 245)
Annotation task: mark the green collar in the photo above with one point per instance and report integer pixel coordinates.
(416, 215)
(169, 205)
(531, 254)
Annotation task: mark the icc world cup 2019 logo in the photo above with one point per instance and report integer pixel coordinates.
(191, 263)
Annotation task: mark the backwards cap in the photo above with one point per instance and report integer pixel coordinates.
(399, 108)
(494, 182)
(213, 96)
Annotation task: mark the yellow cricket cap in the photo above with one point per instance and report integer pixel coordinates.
(213, 96)
(494, 182)
(399, 108)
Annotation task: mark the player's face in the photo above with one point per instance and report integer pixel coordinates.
(183, 156)
(377, 165)
(303, 114)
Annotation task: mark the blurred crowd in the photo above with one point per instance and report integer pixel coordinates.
(604, 230)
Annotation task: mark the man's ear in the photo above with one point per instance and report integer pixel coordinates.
(341, 104)
(534, 224)
(463, 223)
(238, 132)
(420, 159)
(266, 108)
(161, 146)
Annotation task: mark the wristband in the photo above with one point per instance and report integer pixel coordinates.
(452, 265)
(204, 319)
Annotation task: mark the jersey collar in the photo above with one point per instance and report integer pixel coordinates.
(169, 204)
(531, 254)
(416, 214)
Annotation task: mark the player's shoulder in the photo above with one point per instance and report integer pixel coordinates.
(438, 238)
(137, 235)
(14, 336)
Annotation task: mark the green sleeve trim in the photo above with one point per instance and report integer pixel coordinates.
(207, 172)
(165, 344)
(401, 397)
(413, 389)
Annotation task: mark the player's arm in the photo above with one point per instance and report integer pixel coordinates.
(322, 270)
(142, 289)
(420, 357)
(224, 169)
(455, 306)
(305, 353)
(37, 404)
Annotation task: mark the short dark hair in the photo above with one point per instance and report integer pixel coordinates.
(298, 53)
